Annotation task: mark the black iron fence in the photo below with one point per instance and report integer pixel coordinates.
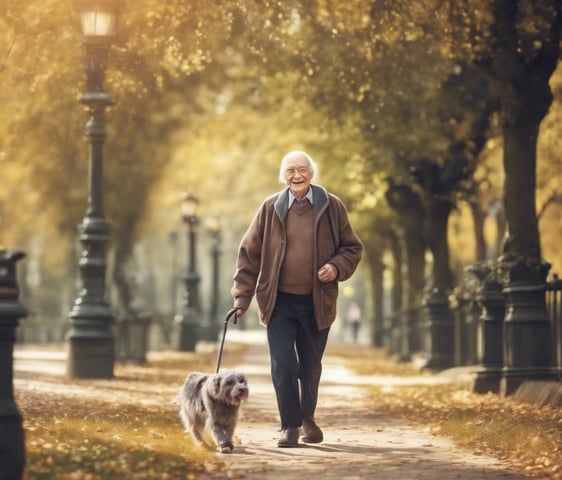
(475, 341)
(554, 308)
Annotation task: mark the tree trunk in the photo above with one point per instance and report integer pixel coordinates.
(413, 291)
(436, 229)
(393, 323)
(439, 345)
(410, 209)
(478, 217)
(122, 280)
(376, 269)
(522, 234)
(522, 79)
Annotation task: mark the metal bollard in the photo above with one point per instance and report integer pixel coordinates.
(440, 331)
(12, 447)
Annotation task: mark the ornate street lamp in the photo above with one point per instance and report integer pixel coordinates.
(214, 230)
(91, 341)
(188, 320)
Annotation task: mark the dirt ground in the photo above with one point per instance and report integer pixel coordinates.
(359, 443)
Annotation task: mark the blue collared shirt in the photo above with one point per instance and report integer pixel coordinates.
(308, 196)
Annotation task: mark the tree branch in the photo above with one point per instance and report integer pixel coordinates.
(554, 198)
(8, 53)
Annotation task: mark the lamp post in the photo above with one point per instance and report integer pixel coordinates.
(188, 320)
(12, 445)
(1, 223)
(214, 230)
(173, 239)
(91, 341)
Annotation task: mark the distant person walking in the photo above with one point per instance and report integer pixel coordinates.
(299, 245)
(353, 319)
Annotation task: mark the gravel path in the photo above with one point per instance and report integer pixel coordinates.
(359, 443)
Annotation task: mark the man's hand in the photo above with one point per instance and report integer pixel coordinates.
(240, 312)
(327, 273)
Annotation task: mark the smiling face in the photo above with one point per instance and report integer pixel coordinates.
(298, 173)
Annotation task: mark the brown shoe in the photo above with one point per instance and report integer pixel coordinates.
(312, 432)
(289, 437)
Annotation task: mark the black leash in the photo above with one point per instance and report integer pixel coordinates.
(226, 319)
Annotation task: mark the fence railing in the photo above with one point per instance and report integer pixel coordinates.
(554, 309)
(466, 314)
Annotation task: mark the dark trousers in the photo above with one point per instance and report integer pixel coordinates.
(296, 348)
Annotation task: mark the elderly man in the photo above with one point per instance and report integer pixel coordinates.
(299, 245)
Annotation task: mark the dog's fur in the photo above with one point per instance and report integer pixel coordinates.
(212, 402)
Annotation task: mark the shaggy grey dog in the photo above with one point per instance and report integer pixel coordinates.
(212, 402)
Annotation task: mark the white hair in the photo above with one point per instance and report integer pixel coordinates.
(311, 164)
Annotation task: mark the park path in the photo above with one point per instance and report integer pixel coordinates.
(359, 443)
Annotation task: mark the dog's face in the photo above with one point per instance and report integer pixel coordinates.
(231, 387)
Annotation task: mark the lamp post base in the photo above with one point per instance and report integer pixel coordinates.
(487, 379)
(209, 333)
(513, 378)
(12, 446)
(187, 333)
(440, 332)
(90, 357)
(527, 334)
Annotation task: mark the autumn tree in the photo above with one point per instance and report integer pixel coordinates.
(156, 80)
(517, 46)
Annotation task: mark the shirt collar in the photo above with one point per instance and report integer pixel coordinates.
(308, 196)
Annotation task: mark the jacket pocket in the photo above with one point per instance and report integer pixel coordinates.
(327, 295)
(263, 296)
(262, 287)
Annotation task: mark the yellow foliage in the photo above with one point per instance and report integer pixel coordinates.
(114, 429)
(526, 435)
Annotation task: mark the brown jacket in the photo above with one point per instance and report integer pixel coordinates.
(261, 252)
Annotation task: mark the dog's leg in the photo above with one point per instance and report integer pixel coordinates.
(223, 442)
(197, 433)
(229, 432)
(192, 425)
